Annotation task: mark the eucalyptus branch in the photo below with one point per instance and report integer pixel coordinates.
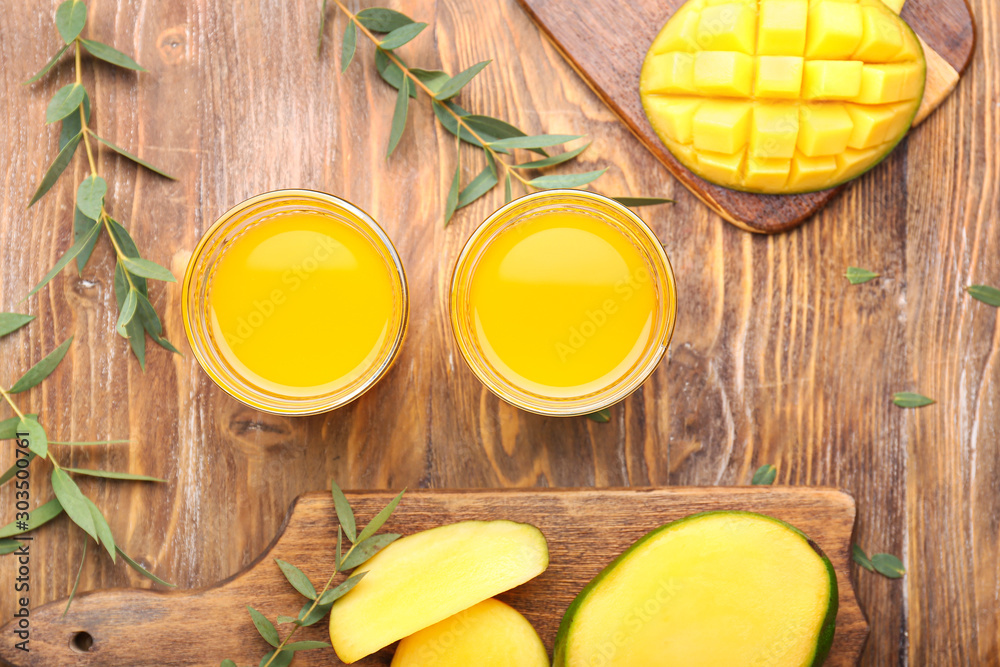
(71, 105)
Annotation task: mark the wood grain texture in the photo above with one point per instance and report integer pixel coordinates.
(585, 529)
(775, 359)
(608, 53)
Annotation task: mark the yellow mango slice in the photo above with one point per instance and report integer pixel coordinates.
(490, 634)
(717, 79)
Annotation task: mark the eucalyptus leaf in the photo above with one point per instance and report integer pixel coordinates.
(444, 111)
(147, 317)
(451, 202)
(11, 322)
(145, 268)
(888, 565)
(82, 225)
(90, 196)
(104, 535)
(48, 66)
(567, 180)
(264, 627)
(12, 470)
(601, 416)
(538, 141)
(133, 158)
(38, 440)
(111, 55)
(37, 517)
(765, 475)
(282, 659)
(432, 78)
(42, 369)
(378, 19)
(399, 116)
(141, 570)
(9, 546)
(297, 579)
(906, 399)
(507, 194)
(291, 647)
(493, 126)
(367, 548)
(858, 276)
(55, 170)
(81, 244)
(859, 556)
(401, 36)
(76, 582)
(165, 344)
(227, 663)
(552, 160)
(477, 187)
(72, 124)
(71, 17)
(389, 71)
(126, 313)
(348, 46)
(345, 515)
(286, 619)
(8, 427)
(66, 100)
(340, 541)
(334, 594)
(73, 502)
(635, 202)
(124, 239)
(456, 83)
(315, 616)
(109, 474)
(985, 293)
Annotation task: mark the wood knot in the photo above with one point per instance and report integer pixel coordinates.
(258, 431)
(172, 45)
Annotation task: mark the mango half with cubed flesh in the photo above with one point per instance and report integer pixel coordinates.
(424, 578)
(490, 634)
(782, 96)
(720, 588)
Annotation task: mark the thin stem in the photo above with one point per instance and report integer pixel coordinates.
(13, 405)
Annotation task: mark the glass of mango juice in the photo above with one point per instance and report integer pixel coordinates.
(295, 302)
(563, 302)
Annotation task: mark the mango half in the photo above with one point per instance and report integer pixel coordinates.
(720, 588)
(782, 96)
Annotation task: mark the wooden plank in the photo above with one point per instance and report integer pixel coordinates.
(586, 529)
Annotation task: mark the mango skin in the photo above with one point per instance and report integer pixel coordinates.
(825, 635)
(671, 83)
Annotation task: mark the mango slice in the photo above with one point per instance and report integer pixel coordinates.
(739, 90)
(490, 634)
(720, 588)
(422, 579)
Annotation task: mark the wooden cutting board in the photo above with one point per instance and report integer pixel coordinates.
(606, 42)
(585, 529)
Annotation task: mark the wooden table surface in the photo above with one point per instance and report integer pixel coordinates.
(776, 359)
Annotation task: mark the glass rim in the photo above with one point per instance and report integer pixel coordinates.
(291, 405)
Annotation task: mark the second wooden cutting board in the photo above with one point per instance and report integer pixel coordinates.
(585, 529)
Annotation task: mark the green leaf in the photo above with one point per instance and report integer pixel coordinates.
(11, 322)
(553, 160)
(477, 187)
(49, 65)
(55, 170)
(141, 570)
(71, 16)
(451, 203)
(341, 590)
(365, 549)
(42, 369)
(601, 416)
(345, 515)
(73, 502)
(432, 78)
(858, 276)
(147, 269)
(507, 194)
(378, 19)
(147, 316)
(66, 100)
(494, 127)
(264, 627)
(227, 663)
(340, 540)
(349, 45)
(389, 71)
(78, 247)
(76, 582)
(111, 55)
(322, 29)
(985, 293)
(9, 546)
(567, 180)
(82, 225)
(316, 616)
(401, 36)
(38, 517)
(126, 314)
(72, 124)
(861, 558)
(906, 399)
(90, 196)
(399, 116)
(109, 474)
(304, 646)
(375, 524)
(765, 475)
(636, 202)
(286, 619)
(38, 441)
(456, 83)
(283, 659)
(297, 579)
(538, 141)
(103, 529)
(888, 565)
(449, 123)
(8, 427)
(133, 158)
(12, 470)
